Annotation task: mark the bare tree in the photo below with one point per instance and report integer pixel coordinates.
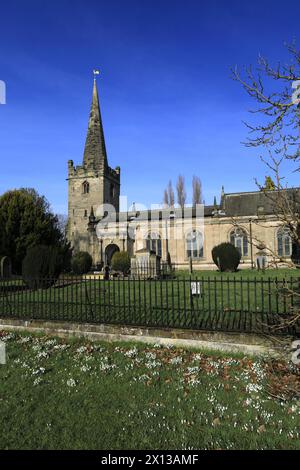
(279, 134)
(62, 223)
(171, 194)
(197, 191)
(169, 198)
(166, 198)
(280, 109)
(181, 192)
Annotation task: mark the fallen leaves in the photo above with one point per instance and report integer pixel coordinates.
(261, 429)
(216, 422)
(282, 382)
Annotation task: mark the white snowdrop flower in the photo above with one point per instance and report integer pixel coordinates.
(152, 364)
(253, 388)
(40, 370)
(105, 367)
(193, 382)
(8, 337)
(71, 383)
(61, 347)
(85, 368)
(197, 357)
(41, 355)
(24, 340)
(88, 358)
(50, 342)
(294, 408)
(193, 370)
(176, 360)
(142, 378)
(150, 355)
(131, 352)
(221, 408)
(37, 381)
(81, 349)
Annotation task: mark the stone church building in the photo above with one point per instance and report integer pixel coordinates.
(95, 224)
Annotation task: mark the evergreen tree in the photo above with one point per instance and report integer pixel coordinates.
(269, 184)
(26, 221)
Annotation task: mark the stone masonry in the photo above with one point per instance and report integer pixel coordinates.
(91, 184)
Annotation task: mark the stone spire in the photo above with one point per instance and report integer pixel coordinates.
(95, 151)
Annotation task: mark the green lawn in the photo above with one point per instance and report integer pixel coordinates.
(59, 394)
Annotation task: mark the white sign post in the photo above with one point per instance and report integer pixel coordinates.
(195, 288)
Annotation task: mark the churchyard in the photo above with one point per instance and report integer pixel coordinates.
(245, 301)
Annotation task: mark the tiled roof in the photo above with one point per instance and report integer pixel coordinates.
(258, 202)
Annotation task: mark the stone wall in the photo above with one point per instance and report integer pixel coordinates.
(215, 230)
(104, 188)
(224, 342)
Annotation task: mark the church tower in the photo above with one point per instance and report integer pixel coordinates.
(91, 184)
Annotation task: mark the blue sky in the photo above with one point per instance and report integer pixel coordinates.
(168, 103)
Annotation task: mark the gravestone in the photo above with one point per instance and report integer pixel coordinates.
(5, 267)
(145, 264)
(261, 260)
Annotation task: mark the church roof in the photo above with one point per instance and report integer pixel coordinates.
(95, 151)
(259, 202)
(248, 204)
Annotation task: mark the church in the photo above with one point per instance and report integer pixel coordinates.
(96, 224)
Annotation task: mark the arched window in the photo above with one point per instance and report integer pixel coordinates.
(153, 243)
(85, 187)
(284, 242)
(194, 244)
(238, 237)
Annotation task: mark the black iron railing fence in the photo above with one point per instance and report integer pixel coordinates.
(211, 303)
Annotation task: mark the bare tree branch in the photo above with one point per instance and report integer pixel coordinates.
(280, 110)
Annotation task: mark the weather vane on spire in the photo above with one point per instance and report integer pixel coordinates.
(96, 72)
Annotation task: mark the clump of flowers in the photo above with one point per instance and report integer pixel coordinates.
(176, 360)
(81, 349)
(131, 352)
(71, 383)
